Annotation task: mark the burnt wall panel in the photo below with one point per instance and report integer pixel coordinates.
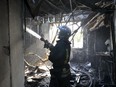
(102, 34)
(16, 42)
(4, 42)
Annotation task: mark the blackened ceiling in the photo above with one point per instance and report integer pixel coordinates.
(46, 7)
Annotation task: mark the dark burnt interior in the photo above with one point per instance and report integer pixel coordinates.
(94, 60)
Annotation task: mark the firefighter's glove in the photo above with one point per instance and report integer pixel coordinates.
(47, 45)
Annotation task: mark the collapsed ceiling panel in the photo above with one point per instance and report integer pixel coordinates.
(45, 7)
(71, 10)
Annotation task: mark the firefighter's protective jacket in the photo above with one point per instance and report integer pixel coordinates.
(60, 55)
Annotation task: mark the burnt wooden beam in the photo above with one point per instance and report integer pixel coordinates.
(33, 9)
(88, 4)
(94, 7)
(53, 5)
(64, 6)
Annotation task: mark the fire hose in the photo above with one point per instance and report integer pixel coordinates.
(35, 34)
(46, 45)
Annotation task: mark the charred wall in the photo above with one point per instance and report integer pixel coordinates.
(11, 44)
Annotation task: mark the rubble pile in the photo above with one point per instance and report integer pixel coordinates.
(36, 76)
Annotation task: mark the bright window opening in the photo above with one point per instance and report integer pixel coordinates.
(76, 40)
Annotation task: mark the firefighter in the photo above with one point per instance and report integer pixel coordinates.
(59, 56)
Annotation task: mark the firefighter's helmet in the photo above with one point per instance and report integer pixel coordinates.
(65, 32)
